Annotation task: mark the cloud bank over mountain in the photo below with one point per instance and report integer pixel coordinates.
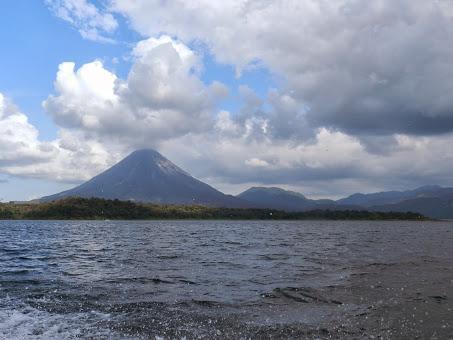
(362, 99)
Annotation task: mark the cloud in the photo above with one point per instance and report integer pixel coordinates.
(92, 23)
(161, 98)
(378, 69)
(18, 138)
(257, 163)
(71, 157)
(333, 164)
(229, 156)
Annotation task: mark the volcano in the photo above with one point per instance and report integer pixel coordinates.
(147, 176)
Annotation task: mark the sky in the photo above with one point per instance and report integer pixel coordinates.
(326, 98)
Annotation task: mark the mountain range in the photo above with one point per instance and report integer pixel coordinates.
(147, 176)
(277, 198)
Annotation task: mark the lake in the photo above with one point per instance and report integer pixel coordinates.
(225, 279)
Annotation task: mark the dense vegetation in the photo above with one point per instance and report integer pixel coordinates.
(95, 208)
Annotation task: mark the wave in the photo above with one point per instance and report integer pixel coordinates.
(19, 321)
(302, 295)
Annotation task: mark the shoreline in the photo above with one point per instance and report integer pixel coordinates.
(102, 209)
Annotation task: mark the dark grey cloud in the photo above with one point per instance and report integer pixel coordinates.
(380, 68)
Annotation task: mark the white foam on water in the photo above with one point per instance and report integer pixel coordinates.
(22, 322)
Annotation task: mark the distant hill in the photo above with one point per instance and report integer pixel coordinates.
(432, 201)
(433, 207)
(390, 197)
(277, 198)
(147, 176)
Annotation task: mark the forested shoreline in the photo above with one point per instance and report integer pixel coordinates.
(101, 209)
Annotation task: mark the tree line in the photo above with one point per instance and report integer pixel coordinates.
(75, 208)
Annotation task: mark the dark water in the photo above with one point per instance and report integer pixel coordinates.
(225, 279)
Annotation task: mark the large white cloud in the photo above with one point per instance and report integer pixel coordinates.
(71, 157)
(161, 98)
(18, 138)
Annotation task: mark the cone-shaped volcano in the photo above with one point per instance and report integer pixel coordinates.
(147, 176)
